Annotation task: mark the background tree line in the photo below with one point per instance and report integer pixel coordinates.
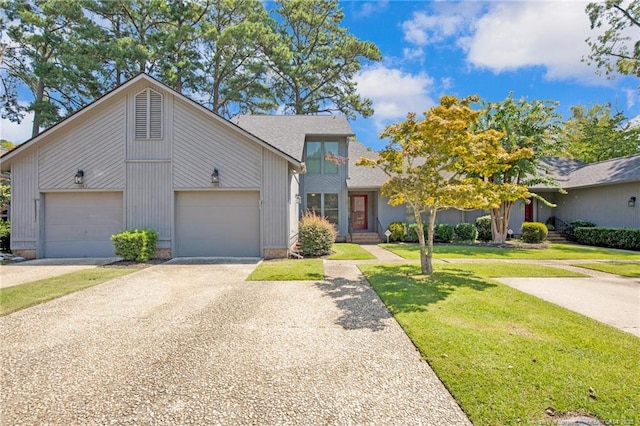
(233, 56)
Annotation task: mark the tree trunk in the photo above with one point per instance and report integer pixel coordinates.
(500, 222)
(37, 112)
(426, 256)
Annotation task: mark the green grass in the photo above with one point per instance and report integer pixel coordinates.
(511, 270)
(553, 252)
(288, 270)
(619, 268)
(349, 251)
(507, 356)
(22, 296)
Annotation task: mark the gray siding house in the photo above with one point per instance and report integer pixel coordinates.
(145, 156)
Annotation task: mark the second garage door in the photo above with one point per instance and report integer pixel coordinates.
(217, 224)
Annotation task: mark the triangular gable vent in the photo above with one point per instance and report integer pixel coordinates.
(148, 120)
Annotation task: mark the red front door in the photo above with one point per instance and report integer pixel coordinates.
(528, 211)
(359, 212)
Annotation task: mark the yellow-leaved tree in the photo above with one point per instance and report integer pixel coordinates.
(440, 162)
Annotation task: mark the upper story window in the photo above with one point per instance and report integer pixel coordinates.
(316, 160)
(148, 115)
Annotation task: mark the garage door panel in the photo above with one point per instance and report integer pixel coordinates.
(81, 224)
(217, 224)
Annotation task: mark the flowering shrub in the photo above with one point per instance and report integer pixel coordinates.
(315, 235)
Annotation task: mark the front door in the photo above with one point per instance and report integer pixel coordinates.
(528, 211)
(359, 212)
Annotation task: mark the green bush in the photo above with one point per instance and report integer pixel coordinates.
(412, 232)
(534, 232)
(621, 238)
(569, 231)
(483, 225)
(5, 235)
(315, 235)
(466, 232)
(135, 245)
(398, 231)
(444, 232)
(550, 227)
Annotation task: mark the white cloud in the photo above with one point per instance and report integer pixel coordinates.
(513, 35)
(17, 133)
(394, 92)
(424, 28)
(632, 97)
(370, 8)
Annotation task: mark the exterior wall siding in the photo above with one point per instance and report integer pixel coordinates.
(149, 198)
(95, 145)
(388, 213)
(202, 144)
(274, 201)
(603, 205)
(294, 206)
(25, 203)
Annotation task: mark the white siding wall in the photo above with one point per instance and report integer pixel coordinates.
(25, 202)
(94, 144)
(274, 201)
(150, 149)
(201, 143)
(149, 198)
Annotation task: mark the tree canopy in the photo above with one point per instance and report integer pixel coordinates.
(229, 55)
(617, 48)
(598, 134)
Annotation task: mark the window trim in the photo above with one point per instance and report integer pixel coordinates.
(322, 205)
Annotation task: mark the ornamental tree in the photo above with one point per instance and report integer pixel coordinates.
(440, 162)
(528, 134)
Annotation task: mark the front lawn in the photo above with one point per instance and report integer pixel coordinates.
(349, 251)
(619, 268)
(288, 270)
(22, 296)
(553, 252)
(508, 357)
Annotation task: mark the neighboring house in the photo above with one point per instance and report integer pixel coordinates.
(148, 157)
(145, 156)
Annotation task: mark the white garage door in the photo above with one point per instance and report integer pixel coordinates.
(81, 224)
(217, 224)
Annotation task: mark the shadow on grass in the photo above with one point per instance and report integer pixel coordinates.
(360, 306)
(404, 290)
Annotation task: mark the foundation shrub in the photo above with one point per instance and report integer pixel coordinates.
(465, 232)
(621, 238)
(398, 231)
(135, 245)
(483, 225)
(534, 232)
(316, 235)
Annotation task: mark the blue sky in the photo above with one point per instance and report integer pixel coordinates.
(530, 48)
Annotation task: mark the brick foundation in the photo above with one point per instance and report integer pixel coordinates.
(163, 253)
(275, 253)
(26, 253)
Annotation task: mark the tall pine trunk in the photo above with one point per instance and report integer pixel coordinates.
(37, 111)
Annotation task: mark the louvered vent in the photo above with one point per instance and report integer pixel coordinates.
(148, 115)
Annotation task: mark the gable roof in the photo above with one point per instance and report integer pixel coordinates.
(8, 156)
(288, 132)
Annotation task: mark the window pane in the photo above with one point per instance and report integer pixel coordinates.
(314, 157)
(313, 203)
(331, 215)
(331, 201)
(330, 148)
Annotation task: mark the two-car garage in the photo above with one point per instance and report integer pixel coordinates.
(207, 223)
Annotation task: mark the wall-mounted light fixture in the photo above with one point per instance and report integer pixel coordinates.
(78, 179)
(298, 199)
(631, 202)
(215, 177)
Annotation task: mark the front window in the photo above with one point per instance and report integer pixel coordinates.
(316, 158)
(325, 205)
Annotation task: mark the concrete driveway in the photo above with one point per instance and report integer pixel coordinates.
(604, 297)
(33, 270)
(196, 344)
